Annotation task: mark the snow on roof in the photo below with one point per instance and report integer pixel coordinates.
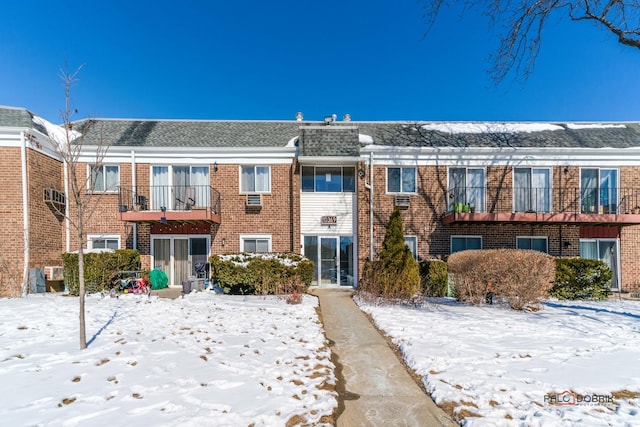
(455, 128)
(594, 126)
(365, 139)
(55, 132)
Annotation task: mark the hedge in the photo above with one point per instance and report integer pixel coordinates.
(578, 278)
(434, 278)
(99, 269)
(261, 273)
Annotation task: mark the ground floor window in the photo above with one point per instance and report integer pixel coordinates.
(177, 255)
(103, 241)
(462, 243)
(533, 243)
(333, 257)
(255, 243)
(605, 250)
(412, 243)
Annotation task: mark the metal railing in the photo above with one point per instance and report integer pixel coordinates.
(544, 200)
(169, 198)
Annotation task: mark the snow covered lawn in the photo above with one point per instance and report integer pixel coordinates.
(501, 367)
(203, 360)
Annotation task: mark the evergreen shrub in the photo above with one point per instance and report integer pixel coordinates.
(521, 277)
(434, 278)
(395, 275)
(581, 278)
(99, 269)
(262, 273)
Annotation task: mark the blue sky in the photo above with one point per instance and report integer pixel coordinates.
(245, 59)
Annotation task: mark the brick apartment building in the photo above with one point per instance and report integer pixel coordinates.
(179, 191)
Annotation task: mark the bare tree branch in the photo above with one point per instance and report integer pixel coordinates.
(522, 23)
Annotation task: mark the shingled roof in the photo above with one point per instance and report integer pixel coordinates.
(183, 133)
(503, 135)
(18, 118)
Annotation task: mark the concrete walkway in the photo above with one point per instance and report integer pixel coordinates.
(378, 389)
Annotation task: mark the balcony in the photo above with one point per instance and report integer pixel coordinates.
(168, 203)
(615, 206)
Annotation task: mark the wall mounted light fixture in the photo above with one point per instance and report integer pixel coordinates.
(215, 167)
(223, 241)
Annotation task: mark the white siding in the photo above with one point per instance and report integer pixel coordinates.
(313, 206)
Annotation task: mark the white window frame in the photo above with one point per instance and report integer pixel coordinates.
(468, 192)
(266, 237)
(598, 202)
(545, 238)
(402, 168)
(597, 241)
(106, 189)
(548, 202)
(254, 166)
(91, 238)
(464, 236)
(415, 240)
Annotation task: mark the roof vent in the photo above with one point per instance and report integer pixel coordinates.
(346, 117)
(299, 116)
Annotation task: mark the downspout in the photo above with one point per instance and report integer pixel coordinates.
(67, 212)
(370, 206)
(25, 214)
(134, 192)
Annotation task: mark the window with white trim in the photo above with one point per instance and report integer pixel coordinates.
(412, 243)
(533, 242)
(599, 190)
(463, 243)
(466, 189)
(325, 179)
(258, 243)
(103, 241)
(104, 178)
(255, 179)
(401, 180)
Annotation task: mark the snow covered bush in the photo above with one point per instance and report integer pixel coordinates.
(261, 273)
(578, 278)
(521, 277)
(395, 275)
(434, 278)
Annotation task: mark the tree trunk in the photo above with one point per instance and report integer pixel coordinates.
(83, 330)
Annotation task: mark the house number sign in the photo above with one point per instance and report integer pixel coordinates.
(329, 220)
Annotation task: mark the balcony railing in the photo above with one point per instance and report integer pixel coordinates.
(172, 201)
(604, 205)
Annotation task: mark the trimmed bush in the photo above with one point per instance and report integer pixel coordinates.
(261, 273)
(434, 278)
(522, 277)
(395, 275)
(581, 278)
(99, 269)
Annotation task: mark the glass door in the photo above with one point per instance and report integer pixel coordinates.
(182, 270)
(328, 261)
(605, 250)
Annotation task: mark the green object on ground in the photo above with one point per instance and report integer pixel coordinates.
(159, 279)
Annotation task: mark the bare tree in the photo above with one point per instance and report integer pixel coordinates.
(81, 202)
(521, 23)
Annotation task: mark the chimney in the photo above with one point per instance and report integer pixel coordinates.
(346, 117)
(299, 116)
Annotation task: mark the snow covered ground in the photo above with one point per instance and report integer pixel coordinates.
(205, 359)
(572, 363)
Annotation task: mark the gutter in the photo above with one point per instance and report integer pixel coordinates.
(134, 192)
(370, 206)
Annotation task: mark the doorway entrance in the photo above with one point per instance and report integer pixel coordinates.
(333, 260)
(176, 256)
(605, 250)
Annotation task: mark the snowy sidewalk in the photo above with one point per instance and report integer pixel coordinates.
(379, 391)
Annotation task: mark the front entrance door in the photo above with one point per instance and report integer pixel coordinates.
(605, 250)
(333, 259)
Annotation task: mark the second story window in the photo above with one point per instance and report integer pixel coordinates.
(401, 180)
(599, 190)
(466, 189)
(255, 179)
(328, 179)
(531, 190)
(104, 177)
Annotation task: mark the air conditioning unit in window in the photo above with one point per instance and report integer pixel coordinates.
(54, 273)
(254, 200)
(51, 195)
(403, 201)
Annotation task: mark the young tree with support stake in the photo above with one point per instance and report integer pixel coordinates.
(80, 203)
